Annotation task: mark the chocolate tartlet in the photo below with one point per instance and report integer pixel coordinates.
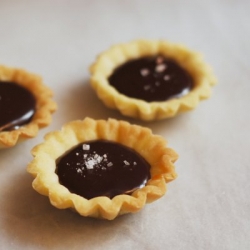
(151, 80)
(102, 168)
(25, 106)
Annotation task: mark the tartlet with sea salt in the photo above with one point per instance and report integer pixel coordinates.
(25, 105)
(151, 80)
(102, 168)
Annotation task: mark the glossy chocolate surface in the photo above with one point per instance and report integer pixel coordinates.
(152, 79)
(102, 168)
(17, 106)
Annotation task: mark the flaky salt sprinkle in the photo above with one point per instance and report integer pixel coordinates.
(144, 72)
(166, 77)
(126, 162)
(99, 159)
(85, 156)
(85, 146)
(135, 163)
(79, 171)
(90, 164)
(146, 87)
(160, 68)
(110, 164)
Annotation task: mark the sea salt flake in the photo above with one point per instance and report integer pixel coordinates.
(166, 77)
(79, 170)
(105, 156)
(135, 163)
(126, 162)
(144, 72)
(109, 164)
(160, 68)
(90, 164)
(85, 147)
(77, 153)
(146, 87)
(99, 159)
(85, 156)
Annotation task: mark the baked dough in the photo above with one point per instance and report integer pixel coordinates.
(119, 54)
(140, 139)
(45, 106)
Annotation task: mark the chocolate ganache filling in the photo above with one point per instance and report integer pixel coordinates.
(102, 168)
(17, 106)
(152, 79)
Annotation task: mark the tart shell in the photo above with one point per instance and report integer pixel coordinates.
(140, 139)
(45, 106)
(119, 54)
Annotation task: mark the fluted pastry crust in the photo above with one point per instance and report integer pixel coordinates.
(136, 137)
(45, 106)
(119, 54)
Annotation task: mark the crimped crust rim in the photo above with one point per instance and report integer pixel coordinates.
(191, 61)
(45, 106)
(58, 142)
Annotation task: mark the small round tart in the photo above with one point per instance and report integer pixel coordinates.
(151, 80)
(25, 106)
(101, 168)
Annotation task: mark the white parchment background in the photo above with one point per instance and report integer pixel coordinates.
(208, 206)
